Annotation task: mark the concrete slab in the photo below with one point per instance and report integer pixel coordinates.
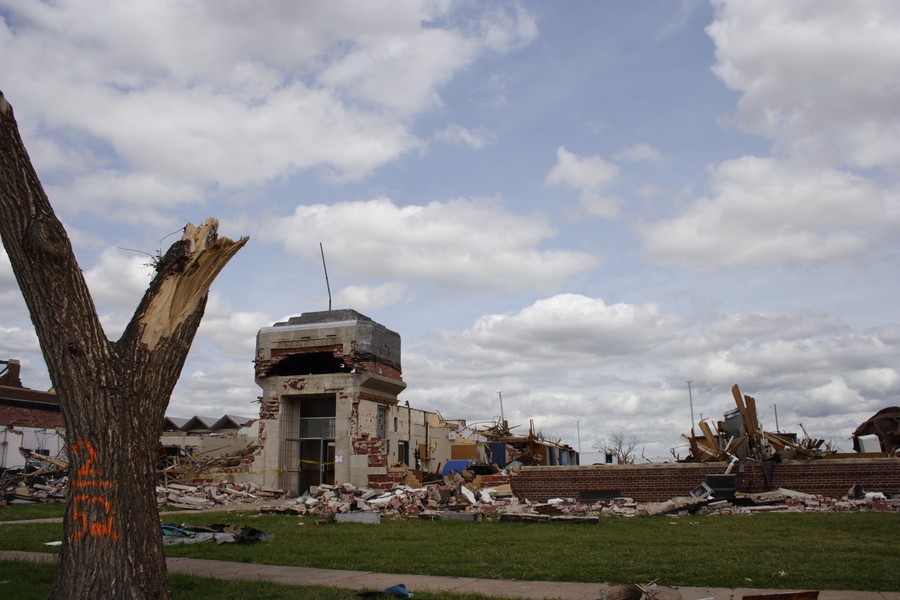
(369, 518)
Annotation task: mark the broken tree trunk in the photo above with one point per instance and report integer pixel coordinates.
(113, 395)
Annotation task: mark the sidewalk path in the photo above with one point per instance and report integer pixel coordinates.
(363, 580)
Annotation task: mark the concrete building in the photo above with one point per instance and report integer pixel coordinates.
(330, 410)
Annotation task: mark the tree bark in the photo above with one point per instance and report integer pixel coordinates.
(113, 395)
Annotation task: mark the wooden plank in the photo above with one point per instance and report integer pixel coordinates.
(739, 401)
(777, 442)
(753, 420)
(708, 434)
(463, 451)
(692, 441)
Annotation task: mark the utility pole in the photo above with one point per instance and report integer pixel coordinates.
(502, 418)
(777, 430)
(578, 429)
(691, 399)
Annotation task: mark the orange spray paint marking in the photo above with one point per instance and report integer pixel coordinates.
(88, 467)
(92, 483)
(97, 528)
(82, 503)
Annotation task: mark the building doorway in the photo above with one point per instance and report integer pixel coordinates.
(308, 450)
(316, 462)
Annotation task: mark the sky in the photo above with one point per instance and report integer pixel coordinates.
(583, 205)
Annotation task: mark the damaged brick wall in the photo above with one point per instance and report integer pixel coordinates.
(379, 368)
(659, 482)
(835, 477)
(269, 408)
(376, 449)
(387, 481)
(27, 417)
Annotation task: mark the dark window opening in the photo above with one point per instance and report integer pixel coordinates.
(403, 452)
(381, 422)
(312, 363)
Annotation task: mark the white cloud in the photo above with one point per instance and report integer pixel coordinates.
(587, 174)
(232, 332)
(142, 198)
(875, 381)
(817, 77)
(15, 342)
(580, 172)
(467, 243)
(216, 390)
(120, 278)
(227, 93)
(640, 153)
(766, 213)
(551, 337)
(595, 204)
(473, 138)
(570, 357)
(402, 74)
(506, 28)
(366, 297)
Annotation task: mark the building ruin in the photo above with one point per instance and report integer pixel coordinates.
(329, 407)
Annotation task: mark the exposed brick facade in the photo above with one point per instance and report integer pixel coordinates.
(494, 480)
(658, 482)
(387, 481)
(375, 448)
(27, 417)
(269, 407)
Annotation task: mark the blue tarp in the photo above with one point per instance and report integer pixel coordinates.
(456, 466)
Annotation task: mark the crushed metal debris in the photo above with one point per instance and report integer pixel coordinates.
(221, 534)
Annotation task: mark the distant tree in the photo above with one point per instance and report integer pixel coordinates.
(620, 446)
(113, 394)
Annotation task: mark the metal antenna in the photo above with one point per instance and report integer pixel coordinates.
(328, 285)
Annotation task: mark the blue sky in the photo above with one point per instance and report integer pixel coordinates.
(582, 204)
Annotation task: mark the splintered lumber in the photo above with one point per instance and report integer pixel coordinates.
(695, 449)
(700, 451)
(739, 402)
(708, 434)
(53, 461)
(753, 422)
(778, 443)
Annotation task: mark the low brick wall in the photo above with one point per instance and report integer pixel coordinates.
(658, 482)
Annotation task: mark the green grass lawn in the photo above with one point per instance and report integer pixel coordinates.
(24, 512)
(855, 551)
